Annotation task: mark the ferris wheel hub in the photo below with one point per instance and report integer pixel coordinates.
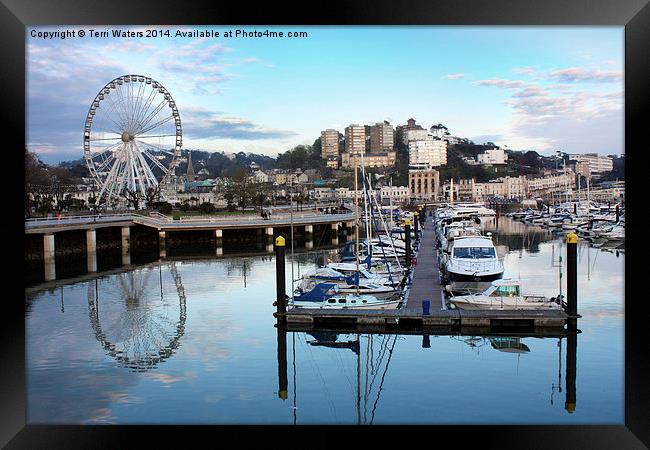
(127, 137)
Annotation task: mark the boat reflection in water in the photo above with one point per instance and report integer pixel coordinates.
(374, 352)
(329, 339)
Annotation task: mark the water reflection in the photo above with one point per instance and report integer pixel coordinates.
(139, 329)
(516, 235)
(373, 353)
(230, 366)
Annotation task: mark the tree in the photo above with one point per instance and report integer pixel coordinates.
(260, 193)
(238, 190)
(132, 198)
(207, 208)
(152, 196)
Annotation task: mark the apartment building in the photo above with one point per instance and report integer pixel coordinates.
(330, 144)
(492, 156)
(424, 184)
(355, 139)
(428, 152)
(382, 138)
(597, 163)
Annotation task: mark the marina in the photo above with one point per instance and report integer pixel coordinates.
(212, 343)
(425, 307)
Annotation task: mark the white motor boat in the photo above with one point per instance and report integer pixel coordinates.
(472, 258)
(505, 294)
(615, 233)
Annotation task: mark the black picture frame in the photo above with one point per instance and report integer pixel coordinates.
(634, 15)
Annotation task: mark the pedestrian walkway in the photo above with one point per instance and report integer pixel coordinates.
(426, 275)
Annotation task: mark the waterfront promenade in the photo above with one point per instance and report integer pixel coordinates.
(164, 223)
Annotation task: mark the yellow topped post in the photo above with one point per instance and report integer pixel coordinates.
(407, 222)
(572, 238)
(281, 297)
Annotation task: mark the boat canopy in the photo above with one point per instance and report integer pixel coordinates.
(320, 292)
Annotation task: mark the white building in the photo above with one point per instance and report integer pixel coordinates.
(427, 152)
(597, 163)
(551, 183)
(260, 177)
(492, 156)
(415, 135)
(396, 194)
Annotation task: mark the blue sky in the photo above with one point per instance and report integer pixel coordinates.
(525, 88)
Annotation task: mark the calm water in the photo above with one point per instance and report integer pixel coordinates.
(194, 342)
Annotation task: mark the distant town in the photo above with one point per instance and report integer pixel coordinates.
(407, 163)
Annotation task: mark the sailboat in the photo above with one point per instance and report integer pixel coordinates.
(330, 295)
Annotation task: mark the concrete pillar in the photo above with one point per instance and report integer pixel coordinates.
(269, 231)
(91, 241)
(48, 254)
(335, 227)
(219, 250)
(335, 240)
(126, 246)
(309, 229)
(91, 261)
(269, 248)
(309, 244)
(218, 234)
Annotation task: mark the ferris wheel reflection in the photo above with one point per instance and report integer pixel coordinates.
(138, 325)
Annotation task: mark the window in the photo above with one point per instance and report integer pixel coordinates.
(474, 252)
(506, 291)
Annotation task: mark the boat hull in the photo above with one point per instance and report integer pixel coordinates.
(454, 276)
(297, 305)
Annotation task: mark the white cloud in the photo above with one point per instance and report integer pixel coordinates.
(455, 76)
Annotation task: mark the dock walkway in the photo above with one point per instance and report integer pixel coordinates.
(425, 284)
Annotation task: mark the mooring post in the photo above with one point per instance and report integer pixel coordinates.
(572, 278)
(571, 356)
(407, 237)
(617, 214)
(281, 300)
(426, 305)
(426, 343)
(283, 382)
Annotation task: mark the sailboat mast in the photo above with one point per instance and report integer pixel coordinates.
(390, 201)
(356, 214)
(358, 385)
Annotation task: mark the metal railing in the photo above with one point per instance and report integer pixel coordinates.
(157, 219)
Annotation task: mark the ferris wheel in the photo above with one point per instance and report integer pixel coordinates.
(132, 138)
